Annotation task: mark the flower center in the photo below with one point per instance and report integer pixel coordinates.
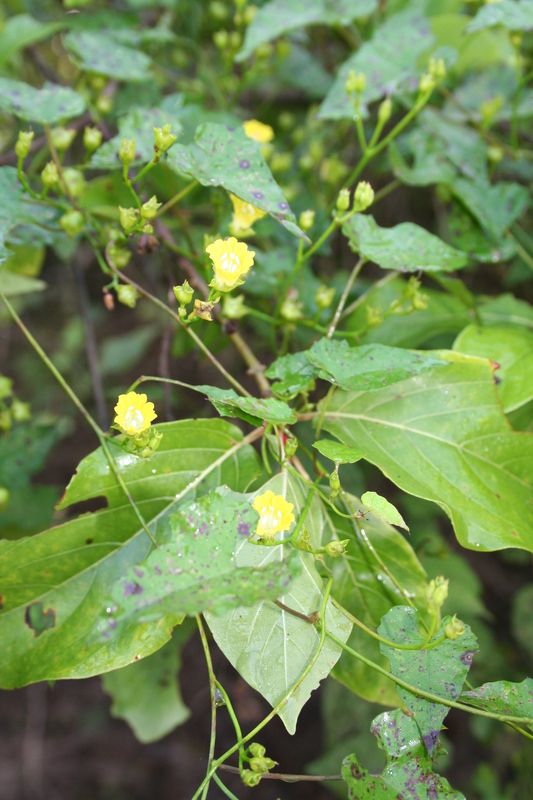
(133, 418)
(270, 518)
(230, 262)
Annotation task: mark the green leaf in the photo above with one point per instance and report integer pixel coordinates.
(383, 509)
(467, 234)
(22, 31)
(229, 404)
(17, 209)
(512, 349)
(362, 587)
(48, 106)
(389, 61)
(515, 15)
(443, 436)
(406, 247)
(71, 568)
(224, 156)
(338, 452)
(279, 17)
(13, 285)
(494, 206)
(294, 374)
(408, 769)
(99, 52)
(461, 146)
(369, 367)
(138, 124)
(24, 450)
(146, 693)
(268, 646)
(439, 670)
(196, 569)
(504, 697)
(429, 164)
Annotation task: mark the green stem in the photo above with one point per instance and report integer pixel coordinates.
(128, 184)
(212, 691)
(146, 168)
(177, 197)
(215, 765)
(342, 302)
(431, 629)
(235, 721)
(299, 525)
(433, 698)
(223, 788)
(81, 408)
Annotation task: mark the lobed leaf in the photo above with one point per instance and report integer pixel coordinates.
(368, 367)
(222, 155)
(70, 569)
(443, 436)
(439, 670)
(409, 770)
(504, 697)
(406, 247)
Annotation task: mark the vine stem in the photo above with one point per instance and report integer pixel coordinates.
(163, 306)
(81, 408)
(177, 197)
(286, 777)
(212, 690)
(215, 765)
(434, 698)
(342, 302)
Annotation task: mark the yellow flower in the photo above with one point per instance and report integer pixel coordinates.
(134, 414)
(244, 216)
(274, 514)
(258, 131)
(231, 259)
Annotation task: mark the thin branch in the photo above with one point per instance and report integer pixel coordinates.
(284, 776)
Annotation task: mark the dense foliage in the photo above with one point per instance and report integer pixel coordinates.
(314, 219)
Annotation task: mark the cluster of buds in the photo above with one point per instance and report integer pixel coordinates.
(260, 764)
(324, 296)
(23, 144)
(416, 300)
(355, 83)
(127, 295)
(184, 295)
(336, 548)
(363, 197)
(435, 74)
(335, 482)
(134, 417)
(163, 139)
(436, 593)
(11, 408)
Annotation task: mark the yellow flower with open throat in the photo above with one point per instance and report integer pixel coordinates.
(244, 216)
(258, 130)
(134, 414)
(274, 514)
(231, 261)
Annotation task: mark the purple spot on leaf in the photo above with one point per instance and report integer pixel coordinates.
(244, 163)
(132, 588)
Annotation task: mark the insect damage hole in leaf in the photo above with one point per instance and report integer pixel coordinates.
(39, 620)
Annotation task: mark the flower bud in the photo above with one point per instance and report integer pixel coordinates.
(355, 83)
(109, 300)
(291, 310)
(343, 200)
(437, 68)
(307, 219)
(426, 83)
(220, 38)
(92, 139)
(22, 147)
(257, 750)
(436, 593)
(335, 481)
(420, 301)
(104, 104)
(154, 440)
(97, 82)
(4, 497)
(385, 111)
(126, 151)
(74, 181)
(374, 316)
(249, 14)
(5, 420)
(336, 548)
(149, 209)
(324, 296)
(250, 778)
(119, 256)
(163, 138)
(218, 10)
(454, 629)
(20, 411)
(234, 307)
(129, 217)
(202, 310)
(127, 295)
(72, 222)
(495, 154)
(291, 446)
(6, 386)
(49, 175)
(184, 293)
(363, 196)
(62, 138)
(262, 764)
